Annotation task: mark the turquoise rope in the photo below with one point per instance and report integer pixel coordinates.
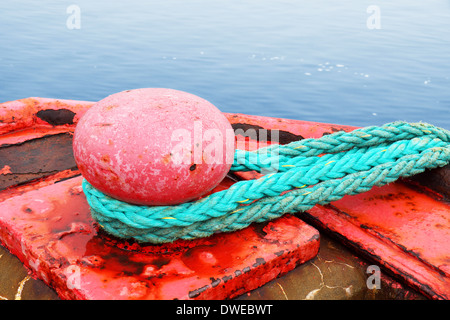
(307, 172)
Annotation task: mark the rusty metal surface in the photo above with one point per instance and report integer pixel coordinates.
(24, 130)
(437, 180)
(51, 231)
(404, 230)
(34, 159)
(37, 113)
(403, 226)
(336, 273)
(16, 283)
(46, 223)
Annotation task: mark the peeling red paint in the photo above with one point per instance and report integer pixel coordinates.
(20, 115)
(51, 231)
(48, 226)
(402, 227)
(398, 218)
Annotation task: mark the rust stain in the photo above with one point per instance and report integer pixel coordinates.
(103, 124)
(106, 158)
(52, 104)
(27, 209)
(56, 117)
(144, 269)
(166, 158)
(14, 119)
(113, 176)
(108, 108)
(255, 131)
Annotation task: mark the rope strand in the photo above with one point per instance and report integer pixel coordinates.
(306, 173)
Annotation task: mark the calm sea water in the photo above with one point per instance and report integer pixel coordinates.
(329, 61)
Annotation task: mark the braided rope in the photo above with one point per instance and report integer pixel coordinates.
(308, 172)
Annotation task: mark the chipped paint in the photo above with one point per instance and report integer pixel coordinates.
(57, 233)
(21, 124)
(403, 226)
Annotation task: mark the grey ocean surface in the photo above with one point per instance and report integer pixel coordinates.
(308, 60)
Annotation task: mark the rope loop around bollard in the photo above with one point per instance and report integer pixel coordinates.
(308, 172)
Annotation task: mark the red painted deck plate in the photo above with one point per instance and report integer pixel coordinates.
(51, 231)
(405, 230)
(402, 228)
